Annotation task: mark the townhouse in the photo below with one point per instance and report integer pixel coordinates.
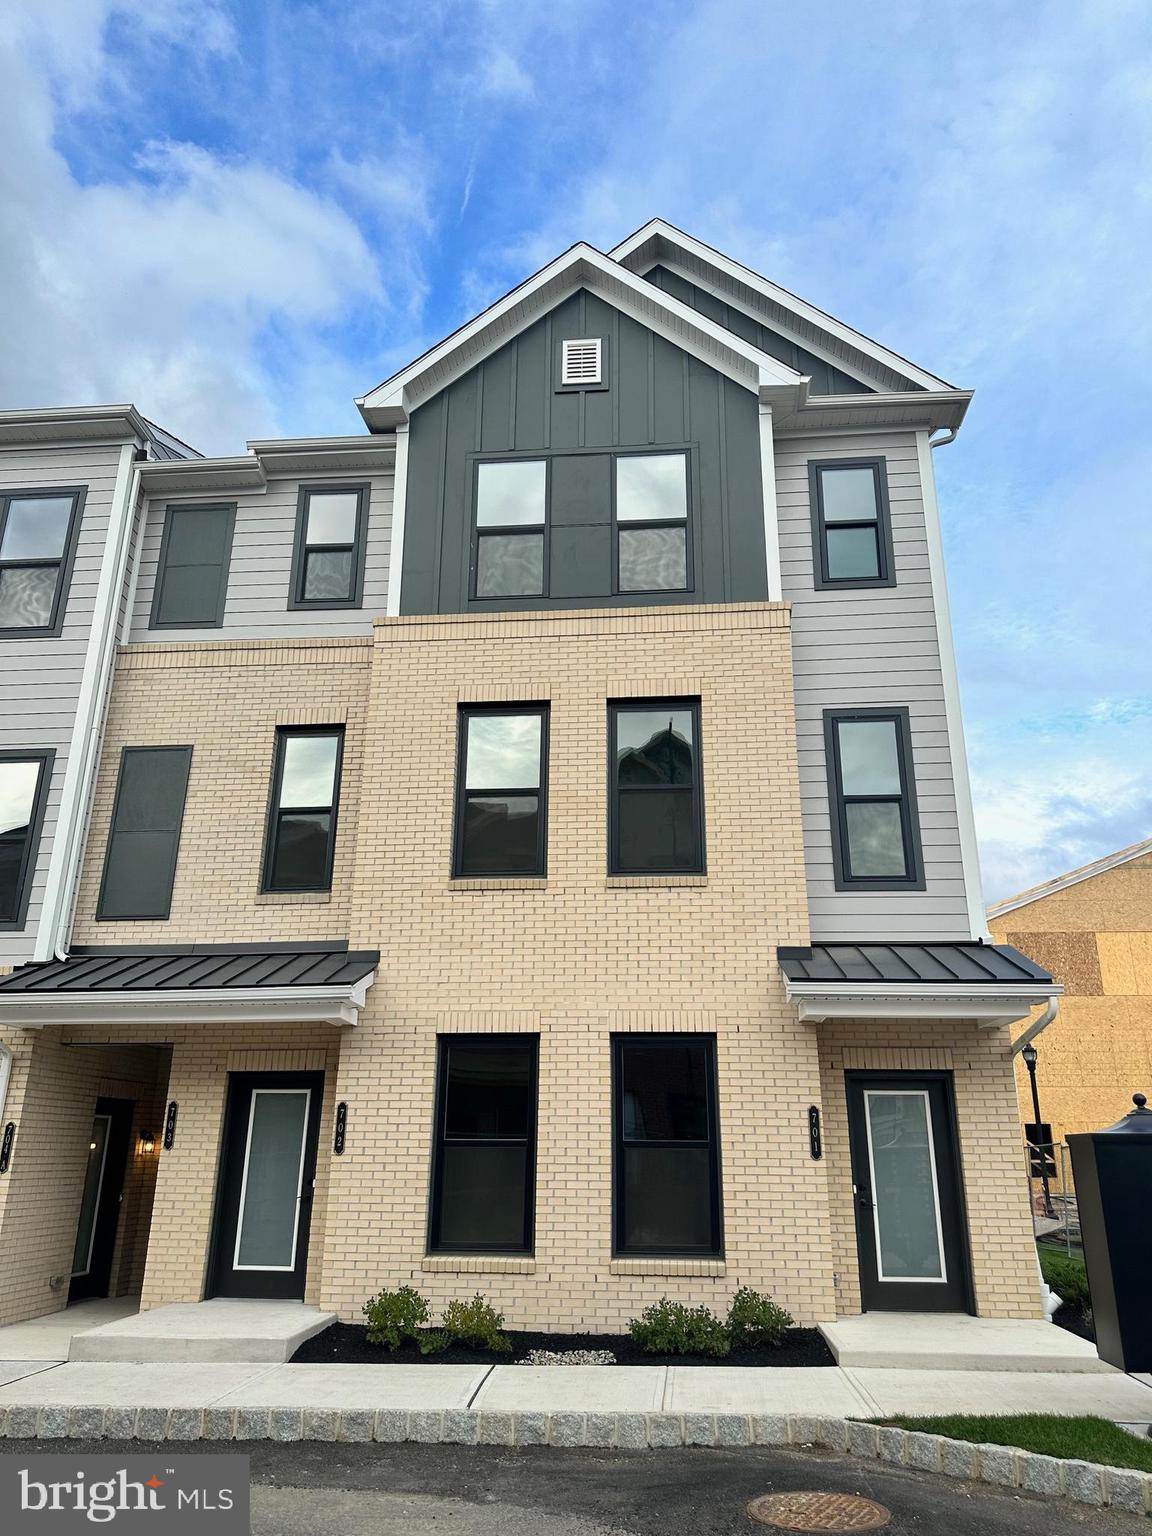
(525, 847)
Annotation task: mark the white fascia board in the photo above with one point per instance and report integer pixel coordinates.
(908, 410)
(223, 1005)
(678, 239)
(175, 477)
(582, 267)
(81, 423)
(991, 1006)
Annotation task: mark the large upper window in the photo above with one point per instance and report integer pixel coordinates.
(328, 558)
(652, 522)
(301, 838)
(500, 791)
(511, 521)
(192, 576)
(666, 1157)
(144, 837)
(484, 1152)
(23, 790)
(655, 811)
(37, 535)
(851, 530)
(875, 836)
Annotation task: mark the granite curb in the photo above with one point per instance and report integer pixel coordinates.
(998, 1465)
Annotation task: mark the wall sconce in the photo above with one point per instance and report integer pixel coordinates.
(147, 1142)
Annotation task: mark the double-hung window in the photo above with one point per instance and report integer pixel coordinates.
(484, 1152)
(301, 837)
(501, 785)
(666, 1152)
(37, 537)
(328, 558)
(24, 780)
(875, 832)
(509, 552)
(656, 823)
(652, 545)
(851, 527)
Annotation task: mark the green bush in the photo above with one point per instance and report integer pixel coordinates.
(755, 1321)
(1067, 1277)
(394, 1316)
(476, 1323)
(433, 1342)
(670, 1328)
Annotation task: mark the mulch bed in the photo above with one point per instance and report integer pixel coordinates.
(1074, 1321)
(347, 1344)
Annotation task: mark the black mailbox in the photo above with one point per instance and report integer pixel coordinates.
(1113, 1173)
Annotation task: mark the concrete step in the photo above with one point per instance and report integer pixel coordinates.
(218, 1330)
(948, 1341)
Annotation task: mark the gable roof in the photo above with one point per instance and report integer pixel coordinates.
(1073, 877)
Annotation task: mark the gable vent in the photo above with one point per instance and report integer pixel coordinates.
(580, 361)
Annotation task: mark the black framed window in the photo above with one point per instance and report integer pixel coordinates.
(851, 526)
(37, 541)
(509, 548)
(301, 839)
(484, 1153)
(875, 827)
(501, 790)
(652, 543)
(192, 575)
(144, 836)
(24, 779)
(328, 555)
(655, 800)
(666, 1146)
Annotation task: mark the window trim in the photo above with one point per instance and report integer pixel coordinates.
(914, 880)
(687, 522)
(296, 599)
(142, 917)
(275, 810)
(46, 756)
(615, 708)
(542, 529)
(154, 619)
(530, 1141)
(821, 580)
(464, 713)
(621, 1041)
(64, 565)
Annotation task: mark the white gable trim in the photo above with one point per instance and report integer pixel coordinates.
(658, 230)
(1073, 877)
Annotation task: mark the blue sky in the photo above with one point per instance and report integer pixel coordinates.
(240, 215)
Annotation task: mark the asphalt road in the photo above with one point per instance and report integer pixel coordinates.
(311, 1489)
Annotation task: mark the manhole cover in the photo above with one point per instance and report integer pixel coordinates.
(818, 1512)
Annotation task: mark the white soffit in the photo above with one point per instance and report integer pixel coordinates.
(990, 1007)
(339, 1005)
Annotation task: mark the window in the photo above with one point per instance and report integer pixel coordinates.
(580, 361)
(511, 505)
(484, 1153)
(655, 813)
(500, 791)
(851, 528)
(37, 538)
(301, 840)
(24, 778)
(144, 838)
(666, 1157)
(875, 835)
(328, 557)
(192, 576)
(652, 522)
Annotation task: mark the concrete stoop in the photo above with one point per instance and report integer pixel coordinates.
(221, 1330)
(945, 1341)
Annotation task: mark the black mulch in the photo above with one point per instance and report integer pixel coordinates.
(1075, 1322)
(347, 1344)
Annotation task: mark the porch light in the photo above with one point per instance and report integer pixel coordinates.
(147, 1141)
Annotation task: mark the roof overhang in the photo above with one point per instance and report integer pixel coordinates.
(268, 459)
(582, 266)
(75, 424)
(991, 1007)
(910, 410)
(338, 1005)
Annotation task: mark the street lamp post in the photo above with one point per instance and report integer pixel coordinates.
(1029, 1055)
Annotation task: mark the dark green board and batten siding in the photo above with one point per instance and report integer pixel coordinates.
(657, 396)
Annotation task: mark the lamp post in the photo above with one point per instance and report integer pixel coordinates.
(1029, 1055)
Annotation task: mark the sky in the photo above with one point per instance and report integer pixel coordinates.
(240, 214)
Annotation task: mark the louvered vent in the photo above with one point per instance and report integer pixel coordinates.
(580, 361)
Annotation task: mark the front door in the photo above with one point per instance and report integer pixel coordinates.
(910, 1226)
(264, 1192)
(100, 1202)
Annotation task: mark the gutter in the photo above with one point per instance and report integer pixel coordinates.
(1035, 1028)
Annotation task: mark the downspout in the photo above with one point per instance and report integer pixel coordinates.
(1049, 1301)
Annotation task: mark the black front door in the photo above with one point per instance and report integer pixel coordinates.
(264, 1191)
(910, 1225)
(100, 1202)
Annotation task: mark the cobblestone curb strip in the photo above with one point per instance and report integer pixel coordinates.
(999, 1465)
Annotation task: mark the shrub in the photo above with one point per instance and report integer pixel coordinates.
(670, 1328)
(432, 1342)
(394, 1316)
(755, 1321)
(1067, 1277)
(476, 1323)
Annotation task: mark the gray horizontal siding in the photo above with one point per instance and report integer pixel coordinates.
(870, 647)
(40, 678)
(260, 571)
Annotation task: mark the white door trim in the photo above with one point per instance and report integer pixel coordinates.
(904, 1093)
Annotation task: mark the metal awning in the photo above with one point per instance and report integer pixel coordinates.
(991, 983)
(196, 983)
